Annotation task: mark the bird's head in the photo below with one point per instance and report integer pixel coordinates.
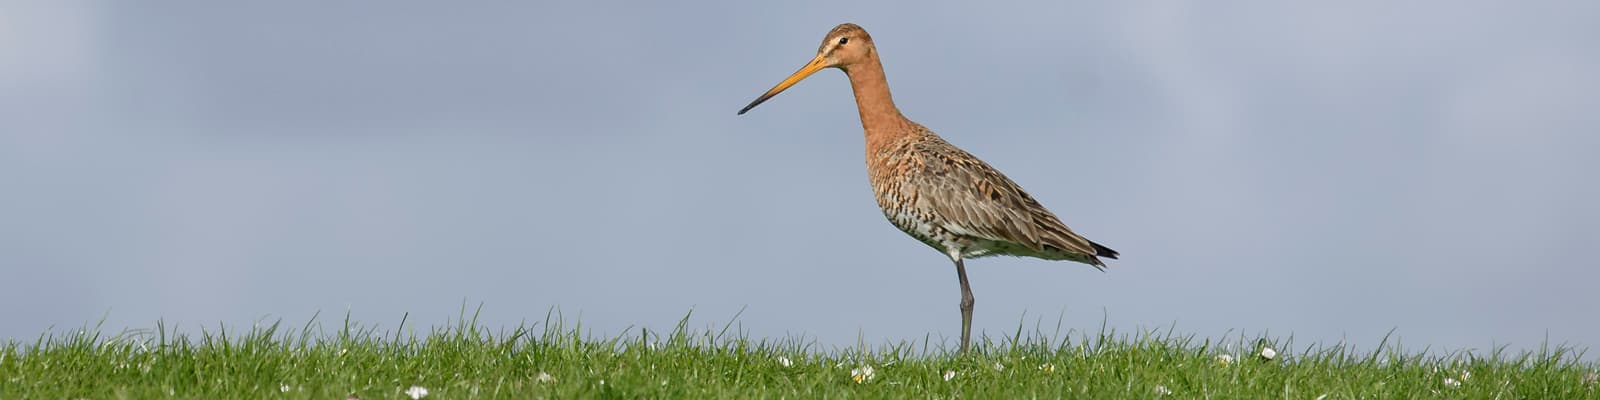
(845, 46)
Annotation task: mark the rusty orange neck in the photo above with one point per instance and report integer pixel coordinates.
(879, 117)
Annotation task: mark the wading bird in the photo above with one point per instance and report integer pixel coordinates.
(932, 190)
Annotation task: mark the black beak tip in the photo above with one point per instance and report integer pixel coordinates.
(755, 103)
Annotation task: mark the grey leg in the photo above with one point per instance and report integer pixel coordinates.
(966, 306)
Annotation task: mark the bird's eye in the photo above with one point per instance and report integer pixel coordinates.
(844, 40)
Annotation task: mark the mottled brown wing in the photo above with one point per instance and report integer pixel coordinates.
(978, 201)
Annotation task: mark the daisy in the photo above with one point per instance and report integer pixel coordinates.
(862, 375)
(1267, 353)
(417, 392)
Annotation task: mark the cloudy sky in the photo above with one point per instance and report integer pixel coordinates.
(1328, 171)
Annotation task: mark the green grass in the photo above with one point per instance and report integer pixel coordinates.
(464, 360)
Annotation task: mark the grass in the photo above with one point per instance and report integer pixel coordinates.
(551, 360)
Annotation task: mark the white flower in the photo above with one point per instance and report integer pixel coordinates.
(948, 375)
(417, 392)
(784, 361)
(1224, 359)
(1047, 367)
(1162, 390)
(1452, 382)
(998, 367)
(283, 388)
(544, 378)
(862, 375)
(1267, 353)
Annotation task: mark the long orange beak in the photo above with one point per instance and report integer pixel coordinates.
(816, 64)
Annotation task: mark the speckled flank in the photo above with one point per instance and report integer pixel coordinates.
(945, 197)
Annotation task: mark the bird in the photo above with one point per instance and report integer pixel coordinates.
(932, 190)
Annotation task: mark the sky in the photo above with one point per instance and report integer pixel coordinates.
(1332, 172)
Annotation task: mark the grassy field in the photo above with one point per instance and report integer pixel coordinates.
(550, 360)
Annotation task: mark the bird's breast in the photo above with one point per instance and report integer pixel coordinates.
(893, 174)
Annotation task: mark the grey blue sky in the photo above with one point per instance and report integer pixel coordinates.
(1331, 171)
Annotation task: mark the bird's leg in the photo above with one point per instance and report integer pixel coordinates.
(966, 305)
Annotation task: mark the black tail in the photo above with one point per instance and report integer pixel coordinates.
(1103, 251)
